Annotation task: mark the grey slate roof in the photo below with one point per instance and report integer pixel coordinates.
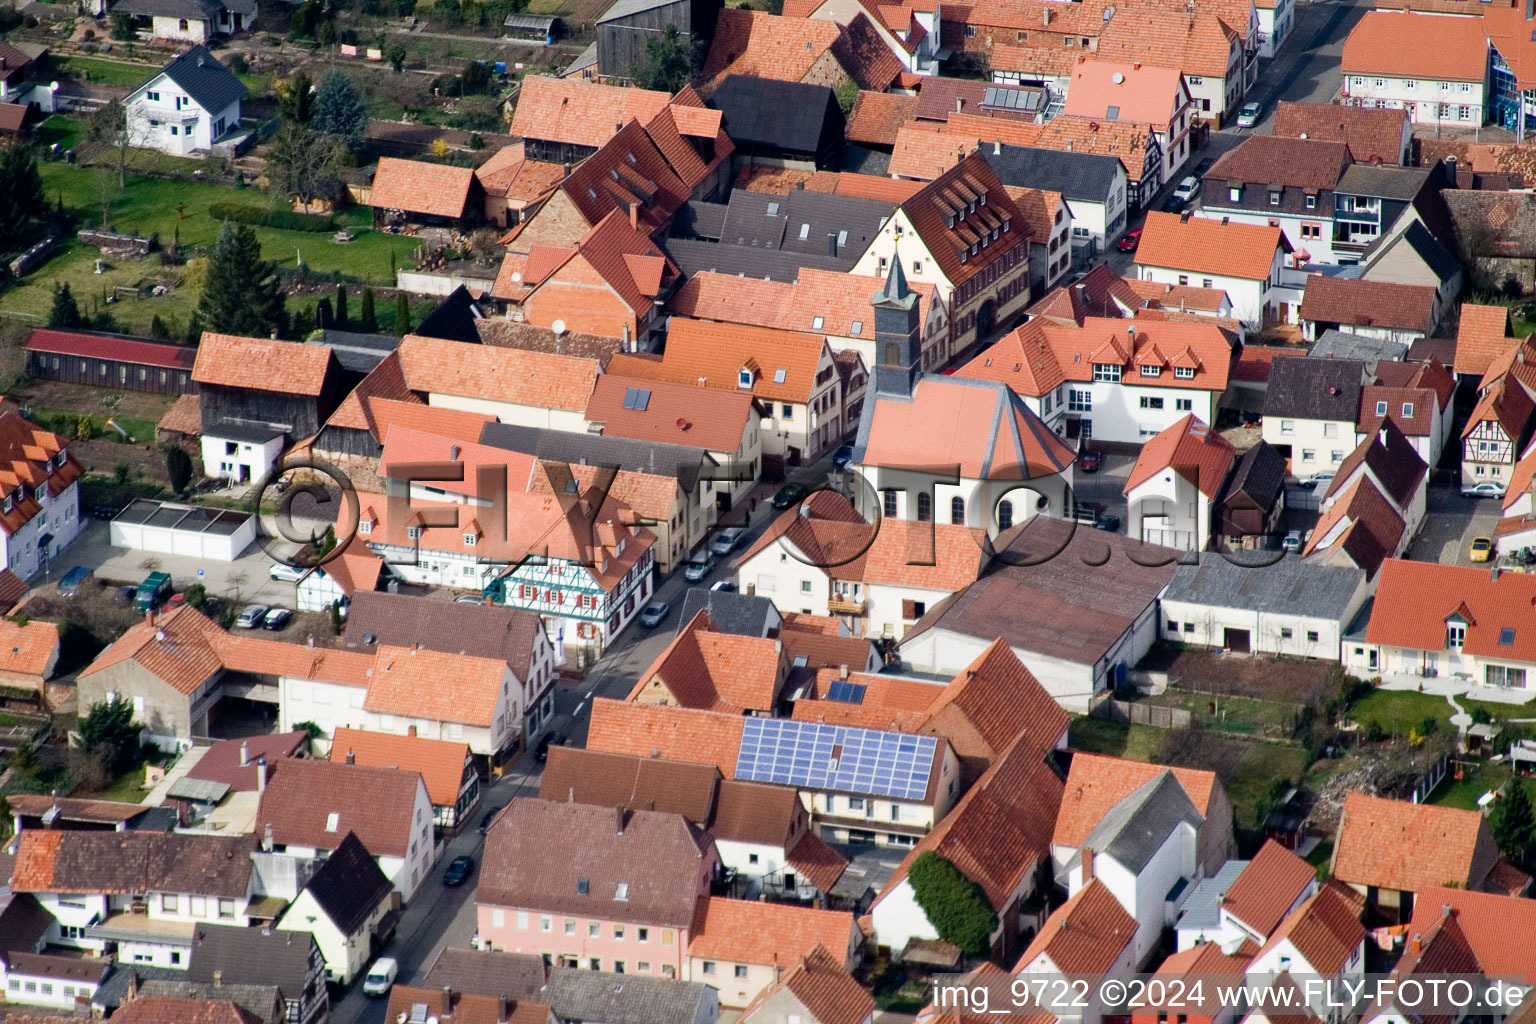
(1202, 908)
(789, 116)
(1333, 344)
(624, 8)
(454, 318)
(479, 631)
(198, 72)
(251, 956)
(1441, 262)
(801, 220)
(196, 10)
(1383, 181)
(693, 257)
(700, 220)
(265, 1002)
(672, 460)
(357, 352)
(741, 614)
(600, 997)
(514, 975)
(349, 886)
(1291, 586)
(1084, 176)
(1138, 826)
(1314, 389)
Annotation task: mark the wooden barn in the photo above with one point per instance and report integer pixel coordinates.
(110, 361)
(625, 28)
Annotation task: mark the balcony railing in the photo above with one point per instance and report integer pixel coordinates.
(843, 604)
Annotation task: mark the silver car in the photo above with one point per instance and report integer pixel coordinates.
(252, 616)
(726, 540)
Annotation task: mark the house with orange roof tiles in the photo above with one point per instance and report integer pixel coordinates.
(1383, 134)
(817, 989)
(1273, 179)
(705, 668)
(518, 386)
(963, 234)
(417, 192)
(1178, 978)
(1173, 489)
(610, 283)
(446, 766)
(1113, 380)
(566, 120)
(1214, 55)
(1245, 900)
(1388, 850)
(575, 557)
(257, 397)
(1474, 629)
(333, 582)
(1323, 938)
(790, 375)
(1497, 927)
(809, 51)
(514, 184)
(1246, 261)
(1141, 93)
(179, 668)
(39, 494)
(1437, 69)
(1497, 433)
(1050, 235)
(998, 835)
(909, 31)
(743, 947)
(1089, 935)
(878, 580)
(594, 887)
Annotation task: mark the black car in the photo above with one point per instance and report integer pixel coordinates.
(490, 816)
(551, 739)
(842, 456)
(1173, 204)
(1204, 165)
(1107, 523)
(459, 870)
(790, 494)
(124, 596)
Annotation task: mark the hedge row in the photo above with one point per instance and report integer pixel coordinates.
(287, 220)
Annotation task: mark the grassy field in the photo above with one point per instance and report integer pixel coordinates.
(1396, 711)
(1464, 792)
(105, 71)
(1320, 857)
(1099, 736)
(66, 131)
(1242, 715)
(1257, 772)
(149, 206)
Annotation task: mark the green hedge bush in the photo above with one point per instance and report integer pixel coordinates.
(286, 220)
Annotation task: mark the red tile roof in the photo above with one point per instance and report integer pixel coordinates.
(112, 346)
(162, 1009)
(1369, 133)
(508, 173)
(767, 934)
(262, 364)
(515, 376)
(375, 804)
(13, 117)
(1423, 46)
(762, 45)
(826, 990)
(840, 300)
(673, 412)
(406, 448)
(1000, 830)
(630, 169)
(1192, 450)
(1096, 782)
(1086, 934)
(27, 651)
(1132, 91)
(1205, 246)
(440, 762)
(877, 116)
(1500, 929)
(1394, 844)
(1267, 887)
(813, 859)
(1325, 930)
(1355, 302)
(1481, 335)
(580, 112)
(716, 353)
(432, 190)
(1406, 617)
(714, 671)
(676, 734)
(950, 234)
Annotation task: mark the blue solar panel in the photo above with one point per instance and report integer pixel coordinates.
(813, 755)
(847, 693)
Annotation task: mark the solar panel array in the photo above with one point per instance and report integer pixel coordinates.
(812, 755)
(1010, 99)
(847, 693)
(637, 398)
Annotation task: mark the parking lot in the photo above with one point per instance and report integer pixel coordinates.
(1450, 523)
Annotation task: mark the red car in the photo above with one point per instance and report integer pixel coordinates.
(1088, 462)
(1131, 240)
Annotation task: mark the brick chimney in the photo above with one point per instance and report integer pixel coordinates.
(351, 757)
(1087, 865)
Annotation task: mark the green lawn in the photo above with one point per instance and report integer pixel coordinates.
(66, 131)
(1099, 736)
(1321, 856)
(106, 71)
(1398, 710)
(142, 431)
(1464, 792)
(1242, 715)
(1256, 774)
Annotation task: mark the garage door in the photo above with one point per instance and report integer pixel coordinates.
(1235, 640)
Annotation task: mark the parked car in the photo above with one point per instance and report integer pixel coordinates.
(1173, 204)
(69, 586)
(652, 614)
(458, 870)
(1292, 541)
(153, 592)
(842, 456)
(551, 739)
(284, 573)
(277, 619)
(693, 572)
(381, 976)
(487, 819)
(724, 587)
(1486, 489)
(1107, 523)
(1323, 480)
(726, 540)
(1248, 117)
(1088, 462)
(1188, 189)
(124, 596)
(790, 494)
(252, 615)
(1482, 549)
(1129, 241)
(1204, 166)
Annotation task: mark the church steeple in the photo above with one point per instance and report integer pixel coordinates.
(898, 333)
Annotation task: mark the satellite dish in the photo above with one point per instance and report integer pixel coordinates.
(1117, 78)
(558, 326)
(53, 86)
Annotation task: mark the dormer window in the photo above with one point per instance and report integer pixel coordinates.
(1407, 409)
(1235, 194)
(413, 532)
(745, 377)
(365, 526)
(1455, 633)
(1151, 370)
(10, 502)
(1311, 200)
(1381, 408)
(949, 222)
(1005, 225)
(41, 490)
(1107, 372)
(1184, 372)
(1274, 197)
(469, 540)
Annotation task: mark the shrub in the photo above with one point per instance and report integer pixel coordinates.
(956, 906)
(286, 220)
